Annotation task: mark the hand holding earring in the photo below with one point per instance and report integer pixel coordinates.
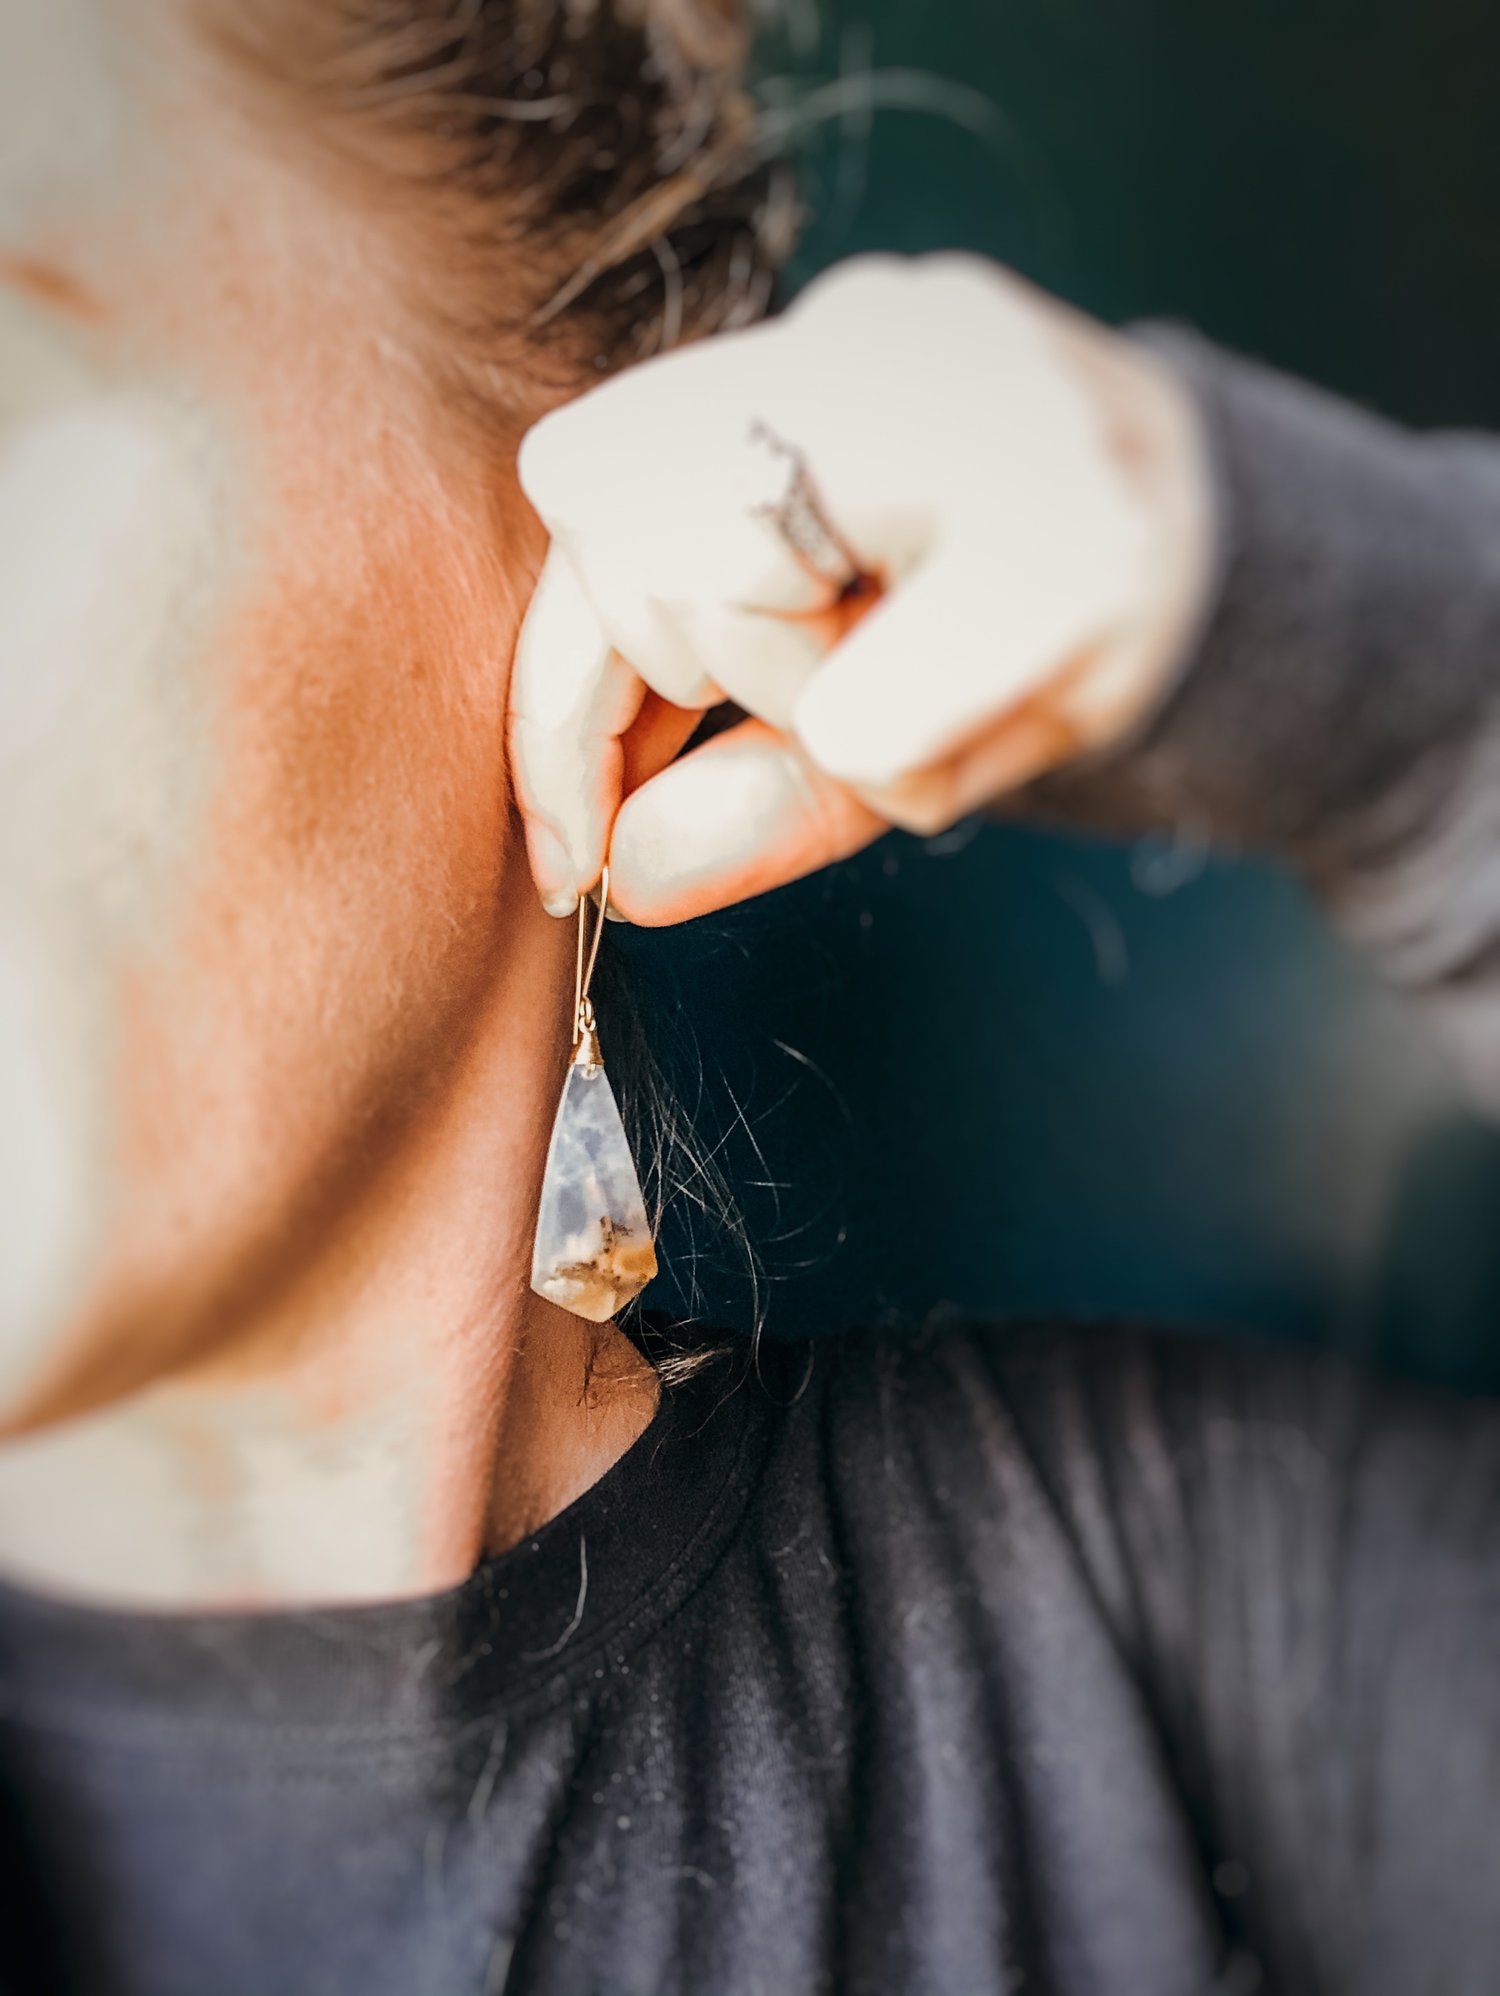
(933, 533)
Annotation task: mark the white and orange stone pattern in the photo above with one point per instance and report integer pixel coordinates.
(594, 1250)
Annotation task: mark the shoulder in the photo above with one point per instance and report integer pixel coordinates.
(1122, 1451)
(958, 1450)
(1163, 1442)
(1122, 1443)
(1053, 1388)
(982, 1395)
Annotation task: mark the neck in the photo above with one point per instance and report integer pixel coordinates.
(410, 1407)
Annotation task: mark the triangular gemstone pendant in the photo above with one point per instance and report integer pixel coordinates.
(593, 1241)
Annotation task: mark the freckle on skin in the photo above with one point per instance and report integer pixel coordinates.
(47, 285)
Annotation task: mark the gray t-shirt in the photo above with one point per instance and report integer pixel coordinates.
(1059, 1662)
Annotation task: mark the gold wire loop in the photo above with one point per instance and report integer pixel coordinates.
(583, 976)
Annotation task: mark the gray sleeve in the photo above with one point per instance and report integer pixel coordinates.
(1338, 710)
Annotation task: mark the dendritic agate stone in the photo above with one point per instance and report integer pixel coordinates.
(593, 1241)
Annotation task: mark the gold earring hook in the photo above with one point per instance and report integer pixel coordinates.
(585, 1042)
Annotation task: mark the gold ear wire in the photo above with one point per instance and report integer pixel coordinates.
(585, 1039)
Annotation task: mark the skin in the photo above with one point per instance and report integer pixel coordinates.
(288, 1024)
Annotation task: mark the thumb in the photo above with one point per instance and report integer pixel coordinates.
(741, 814)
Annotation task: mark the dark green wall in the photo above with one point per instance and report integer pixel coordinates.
(1004, 1073)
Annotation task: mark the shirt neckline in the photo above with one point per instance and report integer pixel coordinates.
(525, 1627)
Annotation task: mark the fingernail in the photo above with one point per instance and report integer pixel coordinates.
(550, 869)
(612, 914)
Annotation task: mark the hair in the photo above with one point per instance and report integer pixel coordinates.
(683, 1181)
(578, 183)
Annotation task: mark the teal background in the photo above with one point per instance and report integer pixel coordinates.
(1000, 1072)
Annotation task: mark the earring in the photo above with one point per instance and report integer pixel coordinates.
(594, 1249)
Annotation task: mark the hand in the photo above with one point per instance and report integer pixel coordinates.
(931, 531)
